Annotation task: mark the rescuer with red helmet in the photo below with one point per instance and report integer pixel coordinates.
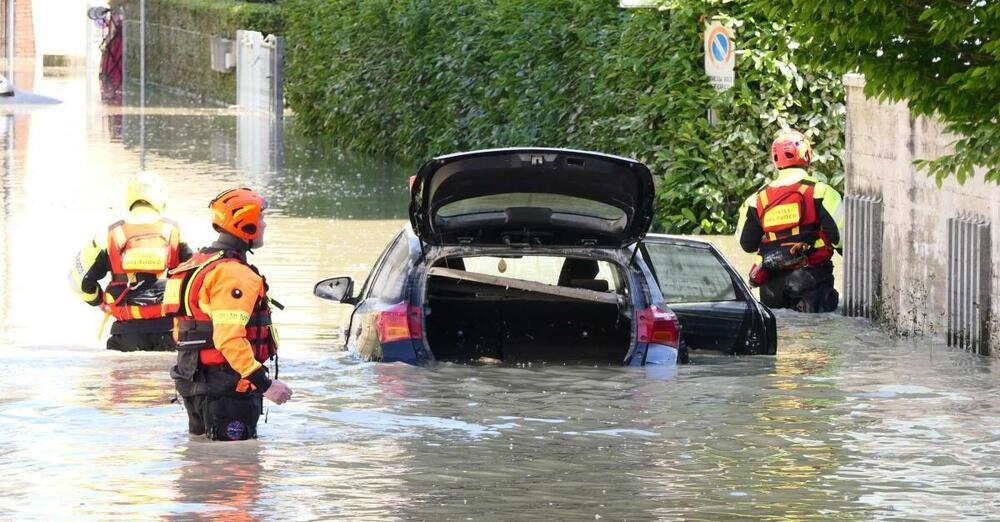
(223, 325)
(793, 223)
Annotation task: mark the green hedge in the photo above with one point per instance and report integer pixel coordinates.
(178, 36)
(416, 78)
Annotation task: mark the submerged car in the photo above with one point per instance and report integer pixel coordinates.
(537, 254)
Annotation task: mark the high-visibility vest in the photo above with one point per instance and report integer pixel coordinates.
(193, 327)
(139, 248)
(788, 215)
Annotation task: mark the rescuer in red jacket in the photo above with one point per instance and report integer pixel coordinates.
(793, 224)
(137, 252)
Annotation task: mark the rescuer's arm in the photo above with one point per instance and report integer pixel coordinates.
(748, 229)
(232, 290)
(829, 206)
(90, 266)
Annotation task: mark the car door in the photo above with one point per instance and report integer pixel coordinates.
(715, 307)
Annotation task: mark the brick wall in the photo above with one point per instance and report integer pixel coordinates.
(24, 30)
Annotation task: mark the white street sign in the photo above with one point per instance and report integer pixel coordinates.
(631, 4)
(720, 59)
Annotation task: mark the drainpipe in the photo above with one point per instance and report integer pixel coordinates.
(10, 41)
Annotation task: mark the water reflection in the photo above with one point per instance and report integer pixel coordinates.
(842, 423)
(302, 177)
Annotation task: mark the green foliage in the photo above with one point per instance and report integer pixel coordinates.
(178, 35)
(942, 58)
(416, 78)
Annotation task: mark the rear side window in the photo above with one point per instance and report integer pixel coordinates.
(690, 274)
(387, 286)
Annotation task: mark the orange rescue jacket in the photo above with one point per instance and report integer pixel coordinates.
(222, 310)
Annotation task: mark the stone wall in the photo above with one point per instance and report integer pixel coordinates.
(883, 140)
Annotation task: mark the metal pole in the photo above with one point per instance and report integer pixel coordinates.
(142, 84)
(124, 54)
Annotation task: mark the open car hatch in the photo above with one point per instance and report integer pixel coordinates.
(532, 197)
(715, 307)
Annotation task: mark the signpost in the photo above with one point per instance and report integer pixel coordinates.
(720, 59)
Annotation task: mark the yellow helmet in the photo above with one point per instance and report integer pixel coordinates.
(147, 187)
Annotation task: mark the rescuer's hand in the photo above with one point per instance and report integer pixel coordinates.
(278, 392)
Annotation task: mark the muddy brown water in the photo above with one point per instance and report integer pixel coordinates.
(844, 423)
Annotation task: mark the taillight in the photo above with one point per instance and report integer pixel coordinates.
(658, 326)
(398, 322)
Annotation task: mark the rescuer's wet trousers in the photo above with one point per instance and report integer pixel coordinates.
(214, 407)
(152, 335)
(809, 289)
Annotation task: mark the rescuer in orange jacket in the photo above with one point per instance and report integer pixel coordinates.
(223, 325)
(137, 251)
(793, 224)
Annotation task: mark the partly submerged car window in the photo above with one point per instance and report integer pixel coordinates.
(543, 269)
(690, 274)
(554, 202)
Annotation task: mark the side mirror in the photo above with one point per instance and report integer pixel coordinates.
(339, 289)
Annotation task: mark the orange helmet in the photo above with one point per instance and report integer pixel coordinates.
(791, 149)
(239, 212)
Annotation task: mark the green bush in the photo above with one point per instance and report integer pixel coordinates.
(178, 39)
(416, 78)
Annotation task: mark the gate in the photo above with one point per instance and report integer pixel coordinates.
(862, 255)
(968, 291)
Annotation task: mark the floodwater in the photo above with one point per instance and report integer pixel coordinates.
(843, 423)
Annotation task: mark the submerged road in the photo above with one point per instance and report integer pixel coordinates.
(843, 423)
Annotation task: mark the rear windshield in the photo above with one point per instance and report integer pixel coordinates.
(554, 202)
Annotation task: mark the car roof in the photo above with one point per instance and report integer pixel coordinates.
(684, 240)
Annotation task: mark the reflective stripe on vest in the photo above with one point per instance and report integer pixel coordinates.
(193, 327)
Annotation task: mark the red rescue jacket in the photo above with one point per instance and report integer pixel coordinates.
(139, 248)
(788, 216)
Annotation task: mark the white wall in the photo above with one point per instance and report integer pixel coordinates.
(60, 26)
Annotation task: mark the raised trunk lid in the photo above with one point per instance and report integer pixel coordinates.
(532, 197)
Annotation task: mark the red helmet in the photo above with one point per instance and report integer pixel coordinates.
(791, 149)
(239, 212)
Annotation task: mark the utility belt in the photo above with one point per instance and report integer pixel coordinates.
(795, 251)
(125, 302)
(192, 334)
